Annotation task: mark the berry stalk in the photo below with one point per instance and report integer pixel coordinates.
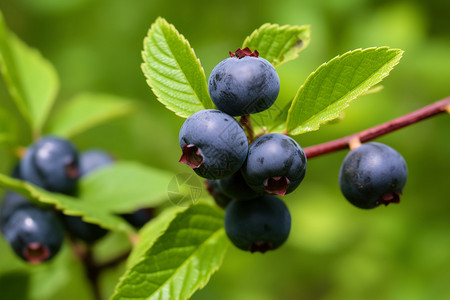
(379, 130)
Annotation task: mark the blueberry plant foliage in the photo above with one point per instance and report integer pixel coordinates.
(176, 253)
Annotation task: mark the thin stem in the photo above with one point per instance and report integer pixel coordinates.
(423, 113)
(92, 268)
(246, 123)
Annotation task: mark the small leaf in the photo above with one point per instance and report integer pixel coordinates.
(31, 80)
(173, 71)
(89, 210)
(9, 127)
(125, 186)
(334, 85)
(181, 260)
(88, 110)
(279, 44)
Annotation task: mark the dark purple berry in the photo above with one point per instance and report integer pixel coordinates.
(257, 225)
(213, 188)
(235, 187)
(51, 163)
(94, 159)
(372, 174)
(243, 84)
(139, 217)
(214, 145)
(276, 164)
(35, 234)
(82, 230)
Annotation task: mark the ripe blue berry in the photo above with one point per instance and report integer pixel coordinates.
(372, 174)
(89, 161)
(213, 188)
(51, 163)
(139, 217)
(35, 234)
(93, 159)
(11, 203)
(214, 145)
(78, 228)
(235, 187)
(243, 84)
(259, 224)
(276, 164)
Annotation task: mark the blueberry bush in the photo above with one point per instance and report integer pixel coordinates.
(241, 144)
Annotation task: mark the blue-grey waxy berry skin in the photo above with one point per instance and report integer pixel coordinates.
(51, 163)
(213, 143)
(213, 188)
(85, 231)
(35, 234)
(372, 174)
(93, 159)
(258, 224)
(274, 156)
(235, 187)
(242, 86)
(89, 161)
(11, 203)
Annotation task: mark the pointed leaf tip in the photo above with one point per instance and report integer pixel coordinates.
(335, 84)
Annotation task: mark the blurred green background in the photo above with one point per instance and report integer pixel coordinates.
(335, 251)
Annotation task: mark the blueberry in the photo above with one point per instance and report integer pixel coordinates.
(51, 163)
(82, 230)
(259, 224)
(213, 188)
(214, 145)
(372, 174)
(93, 159)
(139, 217)
(12, 202)
(235, 187)
(276, 164)
(243, 84)
(35, 234)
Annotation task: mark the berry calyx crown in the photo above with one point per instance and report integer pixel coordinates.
(240, 53)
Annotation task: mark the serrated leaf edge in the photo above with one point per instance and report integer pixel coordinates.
(278, 27)
(392, 63)
(159, 21)
(203, 283)
(31, 192)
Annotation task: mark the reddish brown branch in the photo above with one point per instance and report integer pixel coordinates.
(379, 130)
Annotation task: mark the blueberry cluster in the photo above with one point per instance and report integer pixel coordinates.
(241, 177)
(372, 174)
(36, 233)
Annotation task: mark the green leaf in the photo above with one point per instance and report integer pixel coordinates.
(125, 186)
(173, 71)
(278, 44)
(150, 232)
(90, 211)
(32, 81)
(334, 85)
(181, 260)
(88, 110)
(9, 127)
